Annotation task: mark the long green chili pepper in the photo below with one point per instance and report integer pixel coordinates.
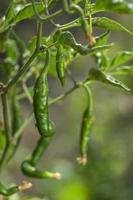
(14, 189)
(16, 113)
(8, 191)
(17, 121)
(45, 127)
(86, 126)
(29, 165)
(84, 22)
(40, 103)
(60, 65)
(69, 8)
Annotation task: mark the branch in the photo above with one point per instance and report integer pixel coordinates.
(51, 102)
(20, 72)
(6, 130)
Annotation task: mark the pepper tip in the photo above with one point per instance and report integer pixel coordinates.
(56, 176)
(25, 185)
(82, 160)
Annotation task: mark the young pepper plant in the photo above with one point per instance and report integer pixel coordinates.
(19, 62)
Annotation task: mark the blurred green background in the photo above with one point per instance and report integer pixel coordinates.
(109, 172)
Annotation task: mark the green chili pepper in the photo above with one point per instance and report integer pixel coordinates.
(16, 113)
(84, 22)
(29, 165)
(8, 191)
(45, 127)
(86, 126)
(40, 103)
(67, 38)
(14, 189)
(69, 9)
(16, 123)
(60, 64)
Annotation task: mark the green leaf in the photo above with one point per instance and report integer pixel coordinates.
(102, 60)
(109, 24)
(101, 22)
(125, 70)
(9, 16)
(27, 12)
(102, 39)
(10, 13)
(121, 58)
(98, 75)
(120, 6)
(18, 13)
(11, 50)
(12, 58)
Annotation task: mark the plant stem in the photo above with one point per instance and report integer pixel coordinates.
(20, 72)
(72, 24)
(23, 95)
(27, 92)
(6, 130)
(5, 117)
(48, 17)
(57, 13)
(90, 99)
(25, 123)
(62, 96)
(39, 34)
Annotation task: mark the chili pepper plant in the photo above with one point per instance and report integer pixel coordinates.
(21, 61)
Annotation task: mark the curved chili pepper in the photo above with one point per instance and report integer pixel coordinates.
(69, 9)
(14, 189)
(8, 191)
(40, 103)
(16, 123)
(84, 22)
(60, 68)
(67, 38)
(86, 126)
(29, 165)
(45, 127)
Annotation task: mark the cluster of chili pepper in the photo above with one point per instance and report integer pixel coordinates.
(65, 43)
(45, 127)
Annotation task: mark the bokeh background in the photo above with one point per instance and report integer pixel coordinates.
(109, 172)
